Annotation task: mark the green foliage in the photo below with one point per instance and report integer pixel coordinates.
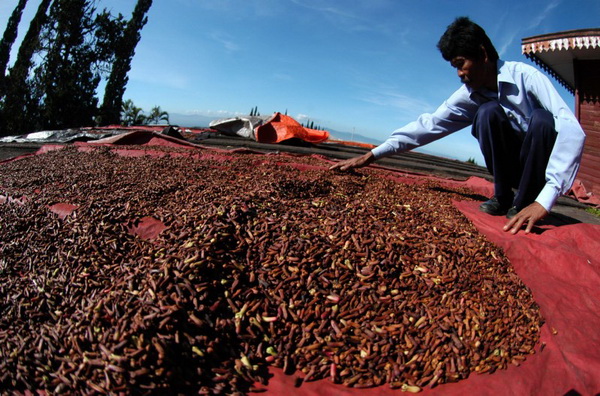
(471, 160)
(68, 49)
(124, 51)
(133, 115)
(254, 112)
(109, 30)
(20, 106)
(8, 39)
(157, 115)
(594, 211)
(311, 125)
(67, 76)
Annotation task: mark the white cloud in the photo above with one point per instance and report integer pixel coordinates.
(226, 41)
(215, 113)
(282, 76)
(406, 104)
(337, 15)
(318, 6)
(510, 37)
(507, 42)
(540, 17)
(236, 9)
(153, 76)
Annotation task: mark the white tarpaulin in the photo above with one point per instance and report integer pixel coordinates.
(239, 126)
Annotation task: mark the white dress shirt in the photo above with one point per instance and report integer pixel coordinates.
(521, 89)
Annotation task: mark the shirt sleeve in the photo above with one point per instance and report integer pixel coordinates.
(566, 154)
(456, 113)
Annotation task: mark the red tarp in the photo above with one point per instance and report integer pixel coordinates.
(560, 264)
(281, 127)
(561, 267)
(276, 129)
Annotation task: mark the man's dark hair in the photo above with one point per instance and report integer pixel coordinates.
(464, 37)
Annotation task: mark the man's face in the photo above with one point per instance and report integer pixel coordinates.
(471, 72)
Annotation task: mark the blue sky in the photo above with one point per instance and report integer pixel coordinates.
(368, 66)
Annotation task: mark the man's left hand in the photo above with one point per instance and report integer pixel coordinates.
(530, 214)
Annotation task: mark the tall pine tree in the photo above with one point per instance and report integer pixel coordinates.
(67, 76)
(110, 112)
(19, 110)
(8, 39)
(109, 31)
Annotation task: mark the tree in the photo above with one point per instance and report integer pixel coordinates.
(8, 39)
(254, 112)
(109, 30)
(19, 113)
(157, 115)
(124, 52)
(67, 76)
(131, 114)
(67, 50)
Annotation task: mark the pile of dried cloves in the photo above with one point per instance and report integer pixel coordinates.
(263, 261)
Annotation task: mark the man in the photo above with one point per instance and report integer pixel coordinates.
(530, 139)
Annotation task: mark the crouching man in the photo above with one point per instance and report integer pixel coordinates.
(530, 139)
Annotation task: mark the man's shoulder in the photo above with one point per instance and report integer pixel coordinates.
(515, 67)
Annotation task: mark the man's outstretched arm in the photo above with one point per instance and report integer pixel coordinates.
(356, 162)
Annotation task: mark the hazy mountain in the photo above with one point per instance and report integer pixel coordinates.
(202, 121)
(191, 120)
(348, 136)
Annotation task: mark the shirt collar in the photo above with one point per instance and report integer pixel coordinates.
(504, 77)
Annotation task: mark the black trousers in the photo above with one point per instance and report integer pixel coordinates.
(515, 159)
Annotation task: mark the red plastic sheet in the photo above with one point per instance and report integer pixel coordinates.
(560, 264)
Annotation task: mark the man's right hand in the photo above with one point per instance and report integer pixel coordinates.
(356, 162)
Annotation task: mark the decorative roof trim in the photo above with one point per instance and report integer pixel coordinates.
(583, 39)
(570, 39)
(559, 43)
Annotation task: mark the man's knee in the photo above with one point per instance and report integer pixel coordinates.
(488, 114)
(541, 123)
(490, 111)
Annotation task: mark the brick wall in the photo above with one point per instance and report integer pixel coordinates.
(587, 81)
